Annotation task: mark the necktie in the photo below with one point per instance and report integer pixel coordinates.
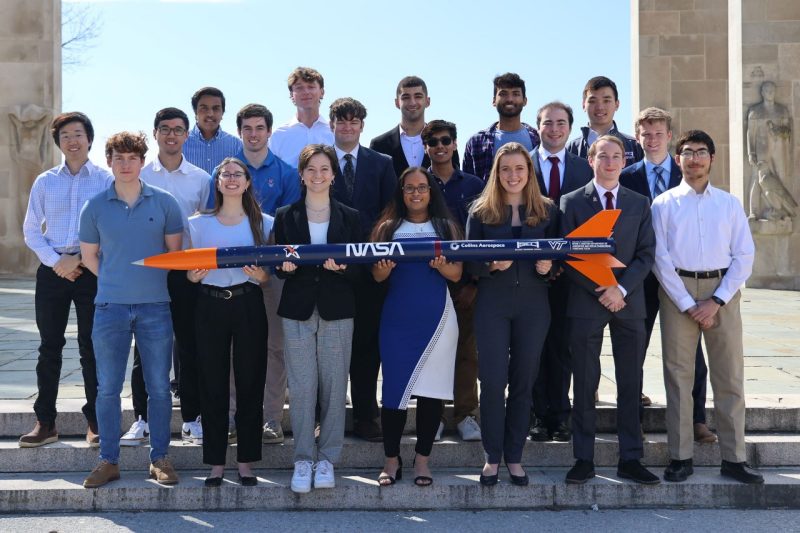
(349, 175)
(554, 190)
(661, 185)
(609, 200)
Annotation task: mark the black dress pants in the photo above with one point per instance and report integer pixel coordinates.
(52, 300)
(551, 389)
(365, 361)
(242, 320)
(183, 300)
(429, 413)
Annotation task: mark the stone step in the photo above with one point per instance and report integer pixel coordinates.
(357, 489)
(74, 455)
(763, 415)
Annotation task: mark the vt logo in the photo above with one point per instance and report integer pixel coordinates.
(556, 245)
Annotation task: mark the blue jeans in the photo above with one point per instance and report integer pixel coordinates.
(114, 326)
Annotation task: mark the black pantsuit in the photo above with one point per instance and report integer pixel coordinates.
(242, 320)
(53, 298)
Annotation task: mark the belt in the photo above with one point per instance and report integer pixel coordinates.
(710, 274)
(226, 293)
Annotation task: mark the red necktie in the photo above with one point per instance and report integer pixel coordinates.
(609, 200)
(554, 191)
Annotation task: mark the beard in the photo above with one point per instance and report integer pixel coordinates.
(515, 111)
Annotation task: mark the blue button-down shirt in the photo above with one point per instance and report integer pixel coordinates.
(56, 200)
(651, 174)
(207, 154)
(459, 193)
(275, 183)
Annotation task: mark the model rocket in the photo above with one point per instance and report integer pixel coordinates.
(588, 249)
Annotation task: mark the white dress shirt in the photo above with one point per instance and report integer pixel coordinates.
(546, 165)
(698, 233)
(288, 140)
(412, 148)
(189, 184)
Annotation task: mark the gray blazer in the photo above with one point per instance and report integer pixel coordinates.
(635, 240)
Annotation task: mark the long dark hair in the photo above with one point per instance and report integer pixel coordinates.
(396, 211)
(249, 202)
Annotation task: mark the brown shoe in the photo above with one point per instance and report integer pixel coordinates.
(103, 473)
(93, 435)
(163, 472)
(703, 435)
(646, 401)
(42, 433)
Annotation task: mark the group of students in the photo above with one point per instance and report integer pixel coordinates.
(523, 328)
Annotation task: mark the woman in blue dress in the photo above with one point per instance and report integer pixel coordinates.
(418, 329)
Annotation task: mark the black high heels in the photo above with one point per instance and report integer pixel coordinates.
(520, 481)
(385, 480)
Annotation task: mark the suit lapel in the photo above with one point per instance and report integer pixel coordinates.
(335, 226)
(398, 147)
(301, 223)
(592, 198)
(537, 169)
(675, 175)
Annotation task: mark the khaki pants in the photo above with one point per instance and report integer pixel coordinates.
(679, 336)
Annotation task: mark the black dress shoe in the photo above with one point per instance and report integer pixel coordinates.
(491, 480)
(634, 471)
(369, 430)
(562, 433)
(213, 482)
(539, 431)
(248, 481)
(679, 470)
(741, 472)
(519, 481)
(582, 472)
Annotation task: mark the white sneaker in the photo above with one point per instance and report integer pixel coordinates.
(301, 479)
(323, 475)
(272, 433)
(192, 431)
(438, 436)
(469, 429)
(136, 435)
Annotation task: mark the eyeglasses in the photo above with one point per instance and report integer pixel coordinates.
(434, 142)
(410, 189)
(166, 130)
(702, 153)
(232, 175)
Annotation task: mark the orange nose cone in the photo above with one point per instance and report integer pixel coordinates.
(184, 260)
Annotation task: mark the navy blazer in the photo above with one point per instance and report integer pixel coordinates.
(636, 243)
(634, 177)
(373, 189)
(389, 143)
(577, 173)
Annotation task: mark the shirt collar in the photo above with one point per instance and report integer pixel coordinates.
(196, 131)
(87, 169)
(601, 191)
(183, 168)
(111, 192)
(407, 136)
(544, 154)
(320, 121)
(666, 164)
(341, 153)
(267, 160)
(456, 175)
(684, 188)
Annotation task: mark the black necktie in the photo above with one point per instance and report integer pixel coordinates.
(349, 175)
(609, 200)
(554, 190)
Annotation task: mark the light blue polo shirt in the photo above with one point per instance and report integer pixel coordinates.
(127, 234)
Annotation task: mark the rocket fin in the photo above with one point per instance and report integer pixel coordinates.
(600, 225)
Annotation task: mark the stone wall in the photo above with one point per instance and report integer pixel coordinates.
(30, 91)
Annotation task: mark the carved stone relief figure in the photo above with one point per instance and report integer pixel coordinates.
(769, 150)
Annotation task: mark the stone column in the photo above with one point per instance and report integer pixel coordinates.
(30, 94)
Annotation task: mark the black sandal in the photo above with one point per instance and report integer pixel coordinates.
(391, 480)
(422, 481)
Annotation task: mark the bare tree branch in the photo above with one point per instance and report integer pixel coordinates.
(80, 28)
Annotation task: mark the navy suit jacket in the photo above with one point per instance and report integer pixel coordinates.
(389, 143)
(577, 173)
(634, 177)
(374, 186)
(636, 243)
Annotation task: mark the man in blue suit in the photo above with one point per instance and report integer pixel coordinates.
(650, 177)
(365, 181)
(558, 172)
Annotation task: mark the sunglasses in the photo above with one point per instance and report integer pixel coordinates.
(434, 142)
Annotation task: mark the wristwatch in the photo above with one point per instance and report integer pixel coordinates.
(719, 301)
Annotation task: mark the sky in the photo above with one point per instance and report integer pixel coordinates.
(152, 54)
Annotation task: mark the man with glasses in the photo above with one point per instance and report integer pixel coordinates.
(190, 186)
(275, 184)
(459, 189)
(365, 181)
(403, 143)
(207, 144)
(704, 254)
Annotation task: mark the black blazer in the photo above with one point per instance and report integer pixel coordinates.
(373, 188)
(636, 243)
(634, 177)
(521, 273)
(313, 285)
(577, 173)
(389, 144)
